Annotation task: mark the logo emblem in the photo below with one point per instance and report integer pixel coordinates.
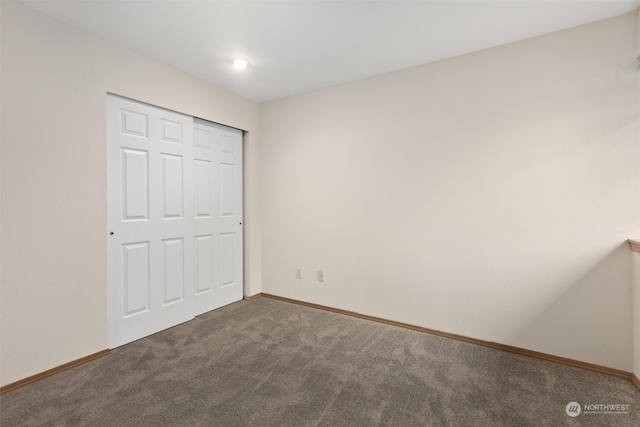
(573, 409)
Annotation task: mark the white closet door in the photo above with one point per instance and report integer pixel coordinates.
(151, 210)
(218, 215)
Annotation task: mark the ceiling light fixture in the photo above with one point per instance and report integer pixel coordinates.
(240, 64)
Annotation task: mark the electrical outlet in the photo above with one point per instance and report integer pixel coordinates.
(320, 275)
(298, 273)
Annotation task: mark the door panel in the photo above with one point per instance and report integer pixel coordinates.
(204, 264)
(135, 184)
(228, 242)
(135, 257)
(150, 185)
(227, 189)
(173, 186)
(134, 123)
(173, 263)
(171, 131)
(204, 188)
(218, 220)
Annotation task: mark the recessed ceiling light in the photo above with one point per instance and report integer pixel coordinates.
(240, 64)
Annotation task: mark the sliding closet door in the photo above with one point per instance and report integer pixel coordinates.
(151, 227)
(175, 218)
(218, 215)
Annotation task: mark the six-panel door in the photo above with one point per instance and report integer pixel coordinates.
(218, 216)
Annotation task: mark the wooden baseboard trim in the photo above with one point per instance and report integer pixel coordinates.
(252, 297)
(635, 380)
(497, 346)
(37, 377)
(634, 245)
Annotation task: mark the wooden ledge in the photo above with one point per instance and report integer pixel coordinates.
(634, 245)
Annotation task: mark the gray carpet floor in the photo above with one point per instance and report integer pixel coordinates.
(270, 363)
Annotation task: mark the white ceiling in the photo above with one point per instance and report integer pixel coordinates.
(299, 46)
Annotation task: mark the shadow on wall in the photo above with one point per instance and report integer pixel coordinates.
(594, 316)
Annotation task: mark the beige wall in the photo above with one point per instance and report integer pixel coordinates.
(489, 195)
(54, 273)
